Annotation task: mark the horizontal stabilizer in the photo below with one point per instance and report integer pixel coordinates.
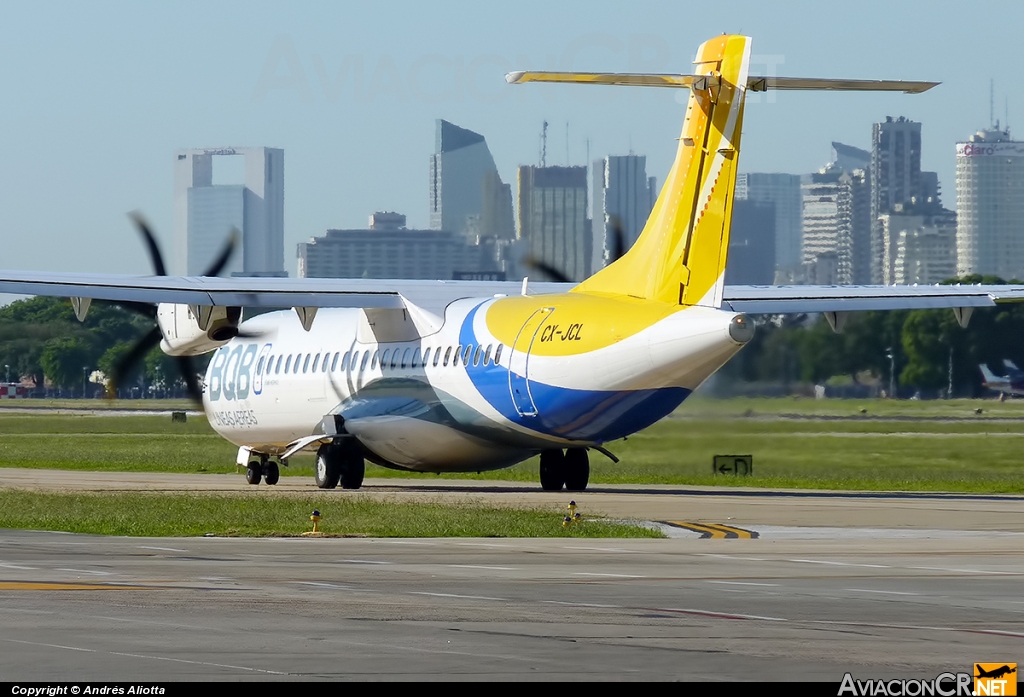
(755, 83)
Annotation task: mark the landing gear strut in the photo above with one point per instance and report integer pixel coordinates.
(339, 462)
(570, 469)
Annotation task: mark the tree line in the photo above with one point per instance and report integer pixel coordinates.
(41, 340)
(925, 350)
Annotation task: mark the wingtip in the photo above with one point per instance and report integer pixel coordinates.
(514, 77)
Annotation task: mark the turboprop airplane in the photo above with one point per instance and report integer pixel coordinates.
(442, 376)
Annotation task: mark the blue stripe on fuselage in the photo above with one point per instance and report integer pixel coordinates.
(588, 415)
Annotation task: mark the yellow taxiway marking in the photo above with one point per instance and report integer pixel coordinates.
(715, 530)
(42, 586)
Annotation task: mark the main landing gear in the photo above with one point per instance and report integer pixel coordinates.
(264, 469)
(570, 469)
(340, 462)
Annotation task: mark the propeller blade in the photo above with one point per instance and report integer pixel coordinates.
(129, 360)
(618, 238)
(225, 255)
(188, 374)
(547, 269)
(151, 245)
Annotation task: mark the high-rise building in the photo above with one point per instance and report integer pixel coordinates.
(895, 177)
(784, 193)
(920, 244)
(855, 224)
(826, 256)
(751, 244)
(553, 223)
(204, 212)
(622, 191)
(990, 205)
(467, 195)
(387, 249)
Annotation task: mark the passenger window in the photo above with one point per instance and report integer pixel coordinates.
(458, 355)
(437, 356)
(288, 364)
(334, 363)
(394, 358)
(476, 357)
(426, 357)
(384, 359)
(366, 358)
(344, 362)
(415, 358)
(259, 366)
(317, 360)
(487, 356)
(277, 368)
(497, 355)
(465, 354)
(305, 364)
(406, 363)
(447, 355)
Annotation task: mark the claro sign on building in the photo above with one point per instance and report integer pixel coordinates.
(990, 149)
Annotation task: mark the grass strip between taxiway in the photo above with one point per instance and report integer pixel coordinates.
(185, 515)
(818, 444)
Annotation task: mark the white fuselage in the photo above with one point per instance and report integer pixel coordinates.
(447, 400)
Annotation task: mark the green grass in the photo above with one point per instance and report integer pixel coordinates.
(185, 515)
(101, 404)
(957, 450)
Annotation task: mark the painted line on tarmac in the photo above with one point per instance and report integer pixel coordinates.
(163, 549)
(745, 583)
(52, 586)
(461, 597)
(477, 566)
(714, 530)
(587, 573)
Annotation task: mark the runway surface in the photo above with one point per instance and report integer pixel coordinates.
(883, 586)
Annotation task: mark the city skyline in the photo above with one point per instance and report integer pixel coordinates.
(103, 97)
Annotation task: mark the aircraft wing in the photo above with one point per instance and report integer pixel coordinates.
(771, 300)
(260, 292)
(436, 295)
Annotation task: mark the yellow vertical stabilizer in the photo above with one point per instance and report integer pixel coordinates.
(680, 256)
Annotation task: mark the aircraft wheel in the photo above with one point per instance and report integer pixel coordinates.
(552, 470)
(271, 473)
(328, 468)
(353, 468)
(577, 469)
(254, 472)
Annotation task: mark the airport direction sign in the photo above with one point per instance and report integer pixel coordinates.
(733, 464)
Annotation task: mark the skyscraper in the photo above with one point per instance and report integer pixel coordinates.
(466, 194)
(990, 205)
(895, 177)
(751, 244)
(784, 193)
(553, 223)
(204, 212)
(622, 190)
(920, 244)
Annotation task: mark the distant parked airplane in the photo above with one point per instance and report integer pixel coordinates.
(1011, 383)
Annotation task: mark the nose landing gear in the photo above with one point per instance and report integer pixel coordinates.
(264, 469)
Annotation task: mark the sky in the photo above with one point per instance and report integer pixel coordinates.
(97, 96)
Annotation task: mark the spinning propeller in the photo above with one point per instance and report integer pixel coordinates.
(143, 346)
(557, 275)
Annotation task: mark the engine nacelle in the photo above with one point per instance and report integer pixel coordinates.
(189, 330)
